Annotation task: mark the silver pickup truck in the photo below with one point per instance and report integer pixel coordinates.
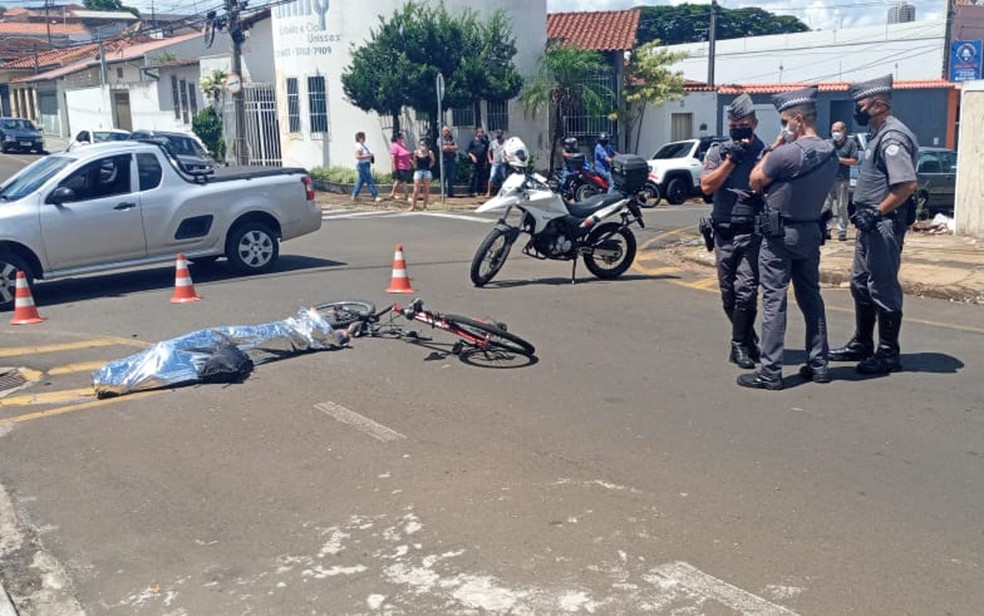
(127, 204)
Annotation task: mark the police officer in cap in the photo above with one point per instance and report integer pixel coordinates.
(881, 199)
(796, 174)
(727, 167)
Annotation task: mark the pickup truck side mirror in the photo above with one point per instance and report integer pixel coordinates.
(62, 194)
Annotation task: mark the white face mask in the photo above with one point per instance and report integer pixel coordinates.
(788, 132)
(837, 136)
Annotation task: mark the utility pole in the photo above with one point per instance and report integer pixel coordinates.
(947, 38)
(47, 21)
(234, 10)
(712, 37)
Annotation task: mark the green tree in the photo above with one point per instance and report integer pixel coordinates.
(398, 66)
(648, 81)
(213, 85)
(689, 23)
(563, 86)
(208, 126)
(487, 72)
(109, 5)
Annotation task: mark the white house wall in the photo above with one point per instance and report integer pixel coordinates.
(657, 121)
(89, 108)
(912, 50)
(307, 45)
(258, 54)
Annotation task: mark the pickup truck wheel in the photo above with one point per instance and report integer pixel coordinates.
(9, 265)
(252, 248)
(677, 191)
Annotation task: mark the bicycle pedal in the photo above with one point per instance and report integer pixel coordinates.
(457, 348)
(501, 325)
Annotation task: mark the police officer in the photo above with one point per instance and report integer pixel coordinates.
(881, 196)
(796, 174)
(570, 150)
(727, 167)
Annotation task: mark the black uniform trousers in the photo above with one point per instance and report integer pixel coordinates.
(737, 258)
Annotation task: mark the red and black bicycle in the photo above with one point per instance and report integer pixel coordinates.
(361, 318)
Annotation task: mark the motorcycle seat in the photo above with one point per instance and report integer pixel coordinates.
(593, 204)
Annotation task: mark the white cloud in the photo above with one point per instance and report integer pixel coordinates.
(817, 14)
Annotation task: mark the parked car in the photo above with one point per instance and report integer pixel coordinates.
(99, 135)
(20, 134)
(127, 204)
(187, 147)
(675, 168)
(936, 172)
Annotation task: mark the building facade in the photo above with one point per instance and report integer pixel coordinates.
(313, 39)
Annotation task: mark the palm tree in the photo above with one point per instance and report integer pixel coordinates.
(564, 84)
(213, 85)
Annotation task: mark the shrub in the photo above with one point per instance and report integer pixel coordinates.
(345, 175)
(208, 126)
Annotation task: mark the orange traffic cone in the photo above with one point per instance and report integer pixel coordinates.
(184, 290)
(25, 312)
(401, 281)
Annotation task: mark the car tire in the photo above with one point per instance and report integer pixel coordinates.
(676, 191)
(10, 264)
(252, 248)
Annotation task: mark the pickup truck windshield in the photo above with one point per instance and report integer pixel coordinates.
(674, 150)
(33, 177)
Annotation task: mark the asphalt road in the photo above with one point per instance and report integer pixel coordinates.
(623, 472)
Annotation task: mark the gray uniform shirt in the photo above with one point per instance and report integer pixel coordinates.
(889, 159)
(724, 199)
(802, 173)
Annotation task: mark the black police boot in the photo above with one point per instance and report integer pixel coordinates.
(740, 326)
(862, 345)
(886, 358)
(760, 381)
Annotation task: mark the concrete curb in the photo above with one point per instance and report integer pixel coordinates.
(7, 607)
(837, 278)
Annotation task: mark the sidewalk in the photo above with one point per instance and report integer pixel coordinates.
(461, 201)
(944, 266)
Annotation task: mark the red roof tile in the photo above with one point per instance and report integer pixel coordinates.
(21, 27)
(832, 86)
(55, 57)
(597, 30)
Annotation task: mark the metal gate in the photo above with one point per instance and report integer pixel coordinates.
(261, 125)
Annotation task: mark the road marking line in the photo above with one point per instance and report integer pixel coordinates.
(49, 397)
(374, 429)
(455, 216)
(724, 593)
(85, 366)
(70, 409)
(333, 216)
(67, 346)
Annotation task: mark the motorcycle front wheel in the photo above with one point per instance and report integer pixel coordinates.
(490, 257)
(613, 250)
(585, 192)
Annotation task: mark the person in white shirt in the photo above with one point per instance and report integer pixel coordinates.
(363, 163)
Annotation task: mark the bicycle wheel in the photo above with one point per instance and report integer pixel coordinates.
(344, 313)
(492, 336)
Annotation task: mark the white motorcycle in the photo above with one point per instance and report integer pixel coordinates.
(559, 230)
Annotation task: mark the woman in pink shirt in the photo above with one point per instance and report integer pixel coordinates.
(402, 165)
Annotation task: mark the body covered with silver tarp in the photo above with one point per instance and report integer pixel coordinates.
(185, 359)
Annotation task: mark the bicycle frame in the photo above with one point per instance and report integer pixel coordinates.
(436, 320)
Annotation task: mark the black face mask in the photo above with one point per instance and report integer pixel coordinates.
(741, 132)
(861, 116)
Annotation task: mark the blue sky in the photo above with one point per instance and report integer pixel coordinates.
(825, 14)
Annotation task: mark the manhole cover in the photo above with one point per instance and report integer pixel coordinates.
(11, 379)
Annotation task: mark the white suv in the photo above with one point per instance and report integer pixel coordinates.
(675, 168)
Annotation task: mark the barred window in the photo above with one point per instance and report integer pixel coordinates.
(193, 98)
(498, 115)
(318, 105)
(183, 89)
(176, 97)
(293, 106)
(463, 116)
